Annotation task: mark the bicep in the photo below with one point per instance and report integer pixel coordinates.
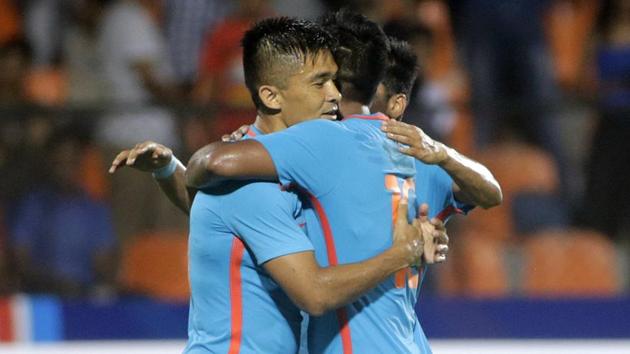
(294, 273)
(219, 161)
(241, 160)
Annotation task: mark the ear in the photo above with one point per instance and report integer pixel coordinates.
(396, 105)
(270, 97)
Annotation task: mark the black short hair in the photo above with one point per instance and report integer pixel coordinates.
(273, 45)
(402, 68)
(361, 53)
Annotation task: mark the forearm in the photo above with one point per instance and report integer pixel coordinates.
(342, 284)
(174, 187)
(475, 183)
(218, 162)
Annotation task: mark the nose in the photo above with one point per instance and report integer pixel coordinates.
(333, 94)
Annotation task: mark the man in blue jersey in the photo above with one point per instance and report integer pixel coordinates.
(236, 302)
(438, 188)
(350, 170)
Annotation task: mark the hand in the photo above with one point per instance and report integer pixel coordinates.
(434, 235)
(408, 237)
(236, 135)
(421, 146)
(147, 156)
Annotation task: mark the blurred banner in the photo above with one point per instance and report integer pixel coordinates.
(47, 319)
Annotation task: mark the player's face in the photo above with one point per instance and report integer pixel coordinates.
(310, 92)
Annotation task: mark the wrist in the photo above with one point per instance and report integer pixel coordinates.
(168, 170)
(399, 257)
(447, 155)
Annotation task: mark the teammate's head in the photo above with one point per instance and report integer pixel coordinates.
(289, 69)
(361, 54)
(392, 95)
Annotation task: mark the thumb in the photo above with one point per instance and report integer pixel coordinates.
(423, 212)
(401, 213)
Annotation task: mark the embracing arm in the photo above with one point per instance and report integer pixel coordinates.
(221, 161)
(474, 183)
(316, 289)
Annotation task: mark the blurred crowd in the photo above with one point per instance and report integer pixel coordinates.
(537, 90)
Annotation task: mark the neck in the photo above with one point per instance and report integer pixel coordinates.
(269, 123)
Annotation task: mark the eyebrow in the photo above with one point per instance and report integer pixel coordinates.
(324, 75)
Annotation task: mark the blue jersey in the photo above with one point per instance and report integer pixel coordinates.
(355, 177)
(235, 306)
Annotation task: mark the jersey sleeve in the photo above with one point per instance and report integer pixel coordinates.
(263, 216)
(451, 205)
(435, 187)
(306, 153)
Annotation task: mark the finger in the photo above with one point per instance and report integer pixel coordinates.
(423, 212)
(394, 126)
(439, 224)
(120, 159)
(225, 138)
(440, 237)
(440, 258)
(410, 151)
(133, 154)
(403, 139)
(138, 151)
(442, 249)
(401, 214)
(243, 129)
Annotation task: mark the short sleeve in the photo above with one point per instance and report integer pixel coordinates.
(263, 217)
(435, 187)
(306, 153)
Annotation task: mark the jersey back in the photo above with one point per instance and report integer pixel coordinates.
(354, 176)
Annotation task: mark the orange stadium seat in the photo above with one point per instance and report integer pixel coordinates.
(570, 263)
(156, 265)
(47, 86)
(10, 26)
(93, 175)
(518, 168)
(476, 268)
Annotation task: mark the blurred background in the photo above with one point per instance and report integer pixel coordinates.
(537, 90)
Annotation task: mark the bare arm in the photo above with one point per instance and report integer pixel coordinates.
(220, 161)
(474, 183)
(317, 290)
(149, 157)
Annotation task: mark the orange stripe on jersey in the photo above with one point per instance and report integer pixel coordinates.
(342, 316)
(391, 184)
(251, 132)
(236, 295)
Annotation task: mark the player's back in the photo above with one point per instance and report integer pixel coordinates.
(355, 176)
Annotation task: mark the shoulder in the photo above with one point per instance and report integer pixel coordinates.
(323, 128)
(258, 195)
